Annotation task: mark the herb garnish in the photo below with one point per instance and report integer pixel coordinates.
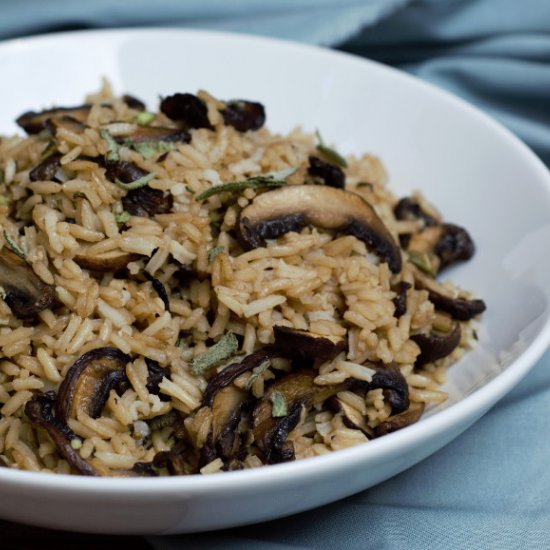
(275, 179)
(225, 348)
(328, 154)
(123, 217)
(149, 148)
(257, 372)
(145, 118)
(136, 184)
(112, 154)
(214, 252)
(13, 246)
(279, 407)
(423, 261)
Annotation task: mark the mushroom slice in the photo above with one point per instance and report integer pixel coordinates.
(133, 102)
(145, 134)
(113, 260)
(244, 115)
(270, 433)
(410, 209)
(227, 409)
(398, 421)
(174, 460)
(34, 122)
(329, 173)
(400, 300)
(454, 245)
(394, 386)
(226, 376)
(66, 122)
(25, 293)
(146, 202)
(39, 410)
(47, 169)
(461, 309)
(436, 345)
(187, 109)
(88, 381)
(351, 417)
(301, 343)
(292, 207)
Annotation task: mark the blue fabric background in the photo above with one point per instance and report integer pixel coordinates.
(490, 488)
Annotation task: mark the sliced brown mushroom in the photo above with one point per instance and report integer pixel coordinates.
(410, 209)
(113, 260)
(330, 174)
(34, 122)
(155, 374)
(47, 169)
(226, 376)
(398, 421)
(351, 417)
(39, 410)
(66, 122)
(133, 102)
(144, 134)
(88, 381)
(292, 207)
(393, 384)
(146, 202)
(301, 343)
(24, 292)
(436, 345)
(400, 301)
(175, 460)
(187, 109)
(454, 245)
(461, 309)
(244, 115)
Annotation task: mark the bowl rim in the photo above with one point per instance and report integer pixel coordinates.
(471, 406)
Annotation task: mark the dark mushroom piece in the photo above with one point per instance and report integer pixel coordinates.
(410, 209)
(461, 309)
(144, 134)
(66, 122)
(39, 410)
(108, 261)
(175, 460)
(244, 115)
(393, 384)
(146, 202)
(436, 345)
(293, 207)
(301, 343)
(351, 417)
(24, 292)
(155, 374)
(133, 102)
(47, 169)
(34, 122)
(330, 174)
(400, 301)
(88, 381)
(454, 245)
(398, 421)
(187, 109)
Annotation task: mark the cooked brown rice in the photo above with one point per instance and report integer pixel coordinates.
(107, 270)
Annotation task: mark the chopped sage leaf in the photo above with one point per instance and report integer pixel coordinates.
(149, 148)
(112, 153)
(257, 372)
(214, 252)
(225, 348)
(76, 443)
(279, 407)
(13, 246)
(423, 261)
(275, 179)
(123, 217)
(163, 421)
(136, 184)
(328, 154)
(145, 118)
(4, 199)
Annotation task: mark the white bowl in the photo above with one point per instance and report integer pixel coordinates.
(476, 172)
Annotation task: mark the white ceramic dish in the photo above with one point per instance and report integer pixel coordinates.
(476, 172)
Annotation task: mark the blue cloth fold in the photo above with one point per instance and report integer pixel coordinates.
(488, 489)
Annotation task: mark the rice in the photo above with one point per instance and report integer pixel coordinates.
(154, 320)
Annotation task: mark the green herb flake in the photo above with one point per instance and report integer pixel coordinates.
(149, 148)
(225, 348)
(275, 179)
(76, 443)
(4, 199)
(328, 154)
(422, 261)
(145, 118)
(279, 407)
(13, 246)
(163, 421)
(123, 217)
(136, 184)
(257, 372)
(112, 153)
(190, 189)
(214, 252)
